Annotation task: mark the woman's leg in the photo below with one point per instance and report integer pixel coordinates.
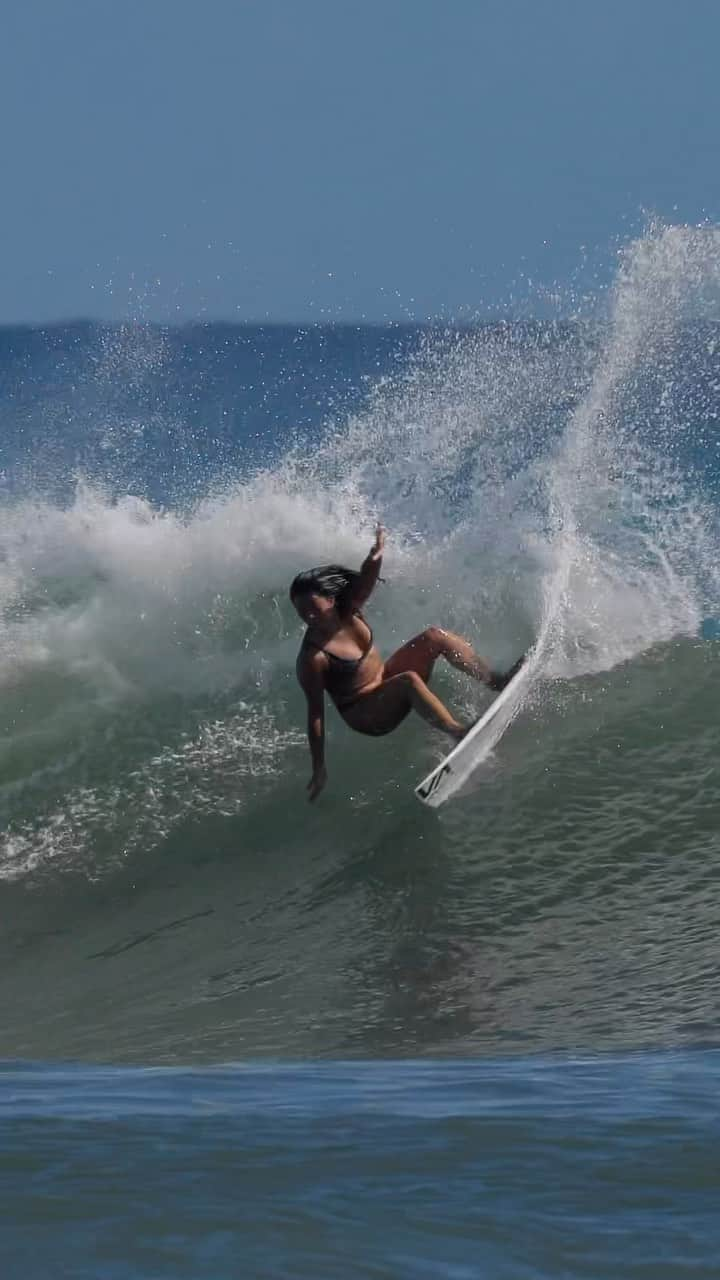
(383, 709)
(421, 653)
(405, 684)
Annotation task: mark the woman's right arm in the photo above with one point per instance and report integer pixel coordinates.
(311, 674)
(364, 584)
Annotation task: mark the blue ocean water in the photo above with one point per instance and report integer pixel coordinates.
(532, 1168)
(506, 1012)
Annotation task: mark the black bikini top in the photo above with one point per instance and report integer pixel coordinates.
(348, 666)
(341, 676)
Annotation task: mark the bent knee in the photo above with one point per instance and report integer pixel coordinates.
(407, 680)
(436, 638)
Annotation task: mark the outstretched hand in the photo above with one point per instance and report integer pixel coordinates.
(377, 547)
(316, 783)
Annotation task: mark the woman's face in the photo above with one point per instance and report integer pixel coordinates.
(313, 608)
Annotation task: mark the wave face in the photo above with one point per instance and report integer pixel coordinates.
(168, 893)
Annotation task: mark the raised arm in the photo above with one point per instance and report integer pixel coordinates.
(311, 674)
(369, 572)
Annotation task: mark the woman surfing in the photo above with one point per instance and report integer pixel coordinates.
(338, 656)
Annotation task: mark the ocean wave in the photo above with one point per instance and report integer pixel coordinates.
(550, 483)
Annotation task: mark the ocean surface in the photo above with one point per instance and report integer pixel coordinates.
(245, 1036)
(604, 1168)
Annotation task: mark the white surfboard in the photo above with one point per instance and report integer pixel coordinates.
(477, 744)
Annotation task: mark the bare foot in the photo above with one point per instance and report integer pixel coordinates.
(462, 731)
(500, 679)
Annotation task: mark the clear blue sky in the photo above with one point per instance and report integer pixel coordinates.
(300, 159)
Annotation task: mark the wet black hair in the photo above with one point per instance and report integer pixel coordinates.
(333, 581)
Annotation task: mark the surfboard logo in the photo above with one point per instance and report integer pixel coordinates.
(433, 783)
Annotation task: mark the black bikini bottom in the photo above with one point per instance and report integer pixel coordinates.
(368, 731)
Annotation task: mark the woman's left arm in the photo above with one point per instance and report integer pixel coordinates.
(369, 571)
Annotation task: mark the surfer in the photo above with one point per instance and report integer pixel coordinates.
(338, 655)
